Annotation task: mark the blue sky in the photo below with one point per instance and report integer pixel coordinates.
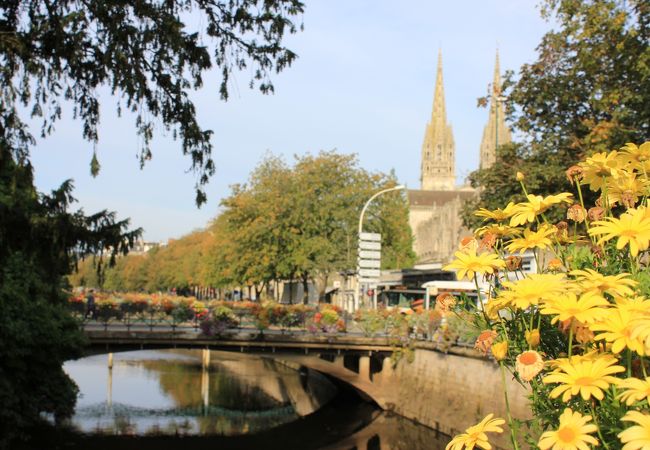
(363, 83)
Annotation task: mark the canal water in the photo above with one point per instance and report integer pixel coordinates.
(179, 399)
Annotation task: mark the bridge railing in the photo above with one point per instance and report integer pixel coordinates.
(216, 318)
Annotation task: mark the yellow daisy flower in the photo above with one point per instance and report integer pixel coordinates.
(617, 327)
(600, 166)
(638, 306)
(588, 308)
(498, 230)
(587, 378)
(615, 285)
(533, 239)
(573, 433)
(475, 436)
(641, 324)
(532, 290)
(468, 262)
(638, 436)
(493, 306)
(626, 189)
(536, 204)
(637, 157)
(498, 214)
(635, 390)
(632, 228)
(593, 355)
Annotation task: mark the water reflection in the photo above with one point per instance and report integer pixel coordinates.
(196, 401)
(391, 432)
(185, 392)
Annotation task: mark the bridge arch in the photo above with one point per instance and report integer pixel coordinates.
(359, 362)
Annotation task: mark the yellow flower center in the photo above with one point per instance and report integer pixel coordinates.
(584, 381)
(566, 434)
(474, 437)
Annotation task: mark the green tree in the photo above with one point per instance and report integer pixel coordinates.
(588, 91)
(53, 52)
(301, 222)
(40, 242)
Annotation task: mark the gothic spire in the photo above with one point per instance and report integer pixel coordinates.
(496, 132)
(438, 150)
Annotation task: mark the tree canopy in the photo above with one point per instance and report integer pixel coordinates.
(588, 91)
(288, 222)
(143, 51)
(305, 219)
(40, 242)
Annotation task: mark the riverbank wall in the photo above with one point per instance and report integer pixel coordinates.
(450, 391)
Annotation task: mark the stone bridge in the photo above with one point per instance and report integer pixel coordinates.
(358, 361)
(445, 389)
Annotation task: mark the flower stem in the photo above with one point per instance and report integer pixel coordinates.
(513, 436)
(582, 203)
(570, 339)
(480, 301)
(629, 362)
(523, 188)
(645, 375)
(600, 435)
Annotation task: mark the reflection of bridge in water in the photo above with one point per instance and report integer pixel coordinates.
(380, 431)
(390, 432)
(285, 394)
(360, 362)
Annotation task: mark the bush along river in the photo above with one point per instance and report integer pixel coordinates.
(179, 399)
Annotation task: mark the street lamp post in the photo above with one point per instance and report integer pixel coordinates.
(363, 211)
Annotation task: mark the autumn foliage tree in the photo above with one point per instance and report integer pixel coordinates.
(288, 222)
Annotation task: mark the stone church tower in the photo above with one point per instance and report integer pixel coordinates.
(435, 209)
(496, 132)
(438, 170)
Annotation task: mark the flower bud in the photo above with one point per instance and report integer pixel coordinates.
(554, 265)
(574, 173)
(500, 350)
(532, 337)
(583, 334)
(576, 213)
(596, 213)
(468, 243)
(513, 263)
(485, 340)
(520, 176)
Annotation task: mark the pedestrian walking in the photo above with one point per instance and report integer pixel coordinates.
(91, 308)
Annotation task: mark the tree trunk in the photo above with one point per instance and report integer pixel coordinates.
(291, 289)
(305, 287)
(321, 294)
(258, 292)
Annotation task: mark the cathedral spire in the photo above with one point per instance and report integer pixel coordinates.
(438, 151)
(496, 132)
